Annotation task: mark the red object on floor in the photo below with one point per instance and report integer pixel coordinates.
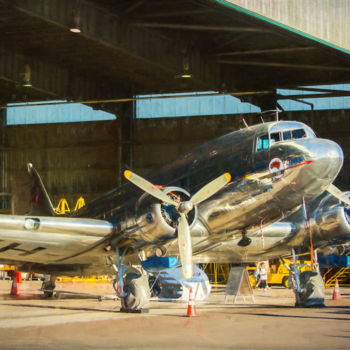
(14, 288)
(18, 277)
(191, 309)
(336, 292)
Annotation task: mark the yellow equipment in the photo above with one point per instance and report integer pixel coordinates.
(62, 207)
(80, 203)
(341, 274)
(277, 274)
(7, 268)
(90, 279)
(217, 273)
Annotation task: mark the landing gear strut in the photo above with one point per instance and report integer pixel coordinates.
(132, 288)
(48, 286)
(308, 286)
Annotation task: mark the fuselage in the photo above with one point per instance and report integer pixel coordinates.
(274, 168)
(303, 164)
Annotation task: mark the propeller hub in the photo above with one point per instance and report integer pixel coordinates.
(185, 207)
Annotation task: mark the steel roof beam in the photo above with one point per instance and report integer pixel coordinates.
(285, 65)
(146, 47)
(201, 27)
(46, 78)
(266, 51)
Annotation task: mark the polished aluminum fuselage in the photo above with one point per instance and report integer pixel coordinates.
(247, 205)
(244, 205)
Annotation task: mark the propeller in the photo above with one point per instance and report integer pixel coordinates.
(182, 208)
(336, 192)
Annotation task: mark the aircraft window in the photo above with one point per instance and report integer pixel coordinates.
(275, 137)
(263, 142)
(287, 135)
(298, 134)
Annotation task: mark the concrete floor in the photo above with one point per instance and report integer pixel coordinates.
(30, 322)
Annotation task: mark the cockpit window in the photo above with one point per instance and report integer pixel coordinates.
(265, 141)
(262, 142)
(287, 135)
(298, 133)
(275, 137)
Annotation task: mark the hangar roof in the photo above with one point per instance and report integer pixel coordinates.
(131, 47)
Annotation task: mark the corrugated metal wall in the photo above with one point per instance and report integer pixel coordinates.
(74, 159)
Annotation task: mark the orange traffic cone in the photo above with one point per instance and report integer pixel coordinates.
(14, 289)
(191, 309)
(336, 292)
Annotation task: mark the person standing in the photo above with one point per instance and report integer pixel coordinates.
(262, 273)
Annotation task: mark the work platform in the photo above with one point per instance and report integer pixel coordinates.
(30, 322)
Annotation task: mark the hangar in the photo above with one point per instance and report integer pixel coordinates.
(112, 54)
(106, 53)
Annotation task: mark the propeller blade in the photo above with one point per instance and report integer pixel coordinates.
(212, 187)
(336, 192)
(185, 246)
(148, 187)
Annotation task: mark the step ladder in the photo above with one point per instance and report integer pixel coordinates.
(217, 273)
(341, 274)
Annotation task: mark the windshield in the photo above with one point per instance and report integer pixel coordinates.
(264, 141)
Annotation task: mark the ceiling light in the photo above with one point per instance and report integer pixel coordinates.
(185, 74)
(75, 19)
(27, 76)
(75, 27)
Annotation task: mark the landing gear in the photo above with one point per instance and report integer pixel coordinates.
(308, 286)
(48, 286)
(136, 293)
(132, 288)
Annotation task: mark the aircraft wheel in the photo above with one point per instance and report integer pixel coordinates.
(137, 294)
(285, 282)
(48, 288)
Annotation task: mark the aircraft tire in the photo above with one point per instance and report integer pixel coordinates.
(137, 292)
(285, 282)
(48, 294)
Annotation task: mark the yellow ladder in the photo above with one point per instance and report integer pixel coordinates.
(342, 275)
(217, 273)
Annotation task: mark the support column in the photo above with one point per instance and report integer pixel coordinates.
(126, 113)
(5, 198)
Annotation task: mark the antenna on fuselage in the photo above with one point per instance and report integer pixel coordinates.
(271, 112)
(245, 123)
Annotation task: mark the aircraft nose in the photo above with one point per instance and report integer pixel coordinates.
(327, 158)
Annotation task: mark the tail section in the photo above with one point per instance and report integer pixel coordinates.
(40, 201)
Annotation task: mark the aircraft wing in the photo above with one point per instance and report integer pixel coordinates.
(47, 240)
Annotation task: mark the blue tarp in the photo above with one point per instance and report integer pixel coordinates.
(334, 261)
(159, 263)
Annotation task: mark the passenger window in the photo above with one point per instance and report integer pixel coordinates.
(275, 137)
(262, 143)
(299, 133)
(287, 135)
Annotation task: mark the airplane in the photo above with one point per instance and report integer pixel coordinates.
(243, 197)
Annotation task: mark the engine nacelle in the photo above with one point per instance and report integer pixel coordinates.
(332, 220)
(157, 221)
